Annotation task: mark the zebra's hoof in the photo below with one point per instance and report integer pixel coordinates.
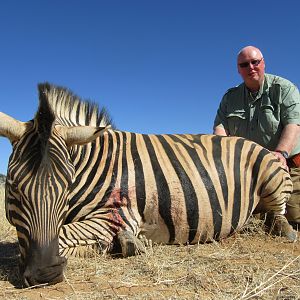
(130, 244)
(279, 226)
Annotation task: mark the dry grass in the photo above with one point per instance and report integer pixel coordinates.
(248, 265)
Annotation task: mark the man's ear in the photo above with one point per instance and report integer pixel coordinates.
(80, 135)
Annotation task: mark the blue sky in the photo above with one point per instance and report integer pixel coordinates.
(157, 66)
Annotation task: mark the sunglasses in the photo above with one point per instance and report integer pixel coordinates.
(253, 62)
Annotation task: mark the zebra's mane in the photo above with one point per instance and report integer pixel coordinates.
(60, 105)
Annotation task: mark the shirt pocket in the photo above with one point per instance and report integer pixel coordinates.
(235, 119)
(268, 119)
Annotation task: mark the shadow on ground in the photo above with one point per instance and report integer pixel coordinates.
(9, 263)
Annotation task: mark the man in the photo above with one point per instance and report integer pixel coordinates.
(266, 109)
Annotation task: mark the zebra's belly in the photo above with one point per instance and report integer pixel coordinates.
(206, 231)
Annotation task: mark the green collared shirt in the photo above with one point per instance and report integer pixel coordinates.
(262, 117)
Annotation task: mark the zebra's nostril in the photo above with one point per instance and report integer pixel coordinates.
(26, 282)
(26, 279)
(29, 279)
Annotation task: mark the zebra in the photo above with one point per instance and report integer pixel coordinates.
(75, 183)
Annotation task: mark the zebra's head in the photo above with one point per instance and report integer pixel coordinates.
(39, 179)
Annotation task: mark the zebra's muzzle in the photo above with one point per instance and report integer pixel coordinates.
(36, 275)
(42, 264)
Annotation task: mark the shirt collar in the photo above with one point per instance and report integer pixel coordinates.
(263, 89)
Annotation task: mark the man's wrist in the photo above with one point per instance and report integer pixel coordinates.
(283, 153)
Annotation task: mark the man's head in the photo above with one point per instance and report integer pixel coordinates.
(251, 67)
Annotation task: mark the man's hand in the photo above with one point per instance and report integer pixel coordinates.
(282, 159)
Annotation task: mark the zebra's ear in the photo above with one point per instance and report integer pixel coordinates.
(12, 128)
(80, 135)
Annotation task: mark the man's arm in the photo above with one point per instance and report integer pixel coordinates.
(219, 130)
(290, 117)
(288, 140)
(220, 122)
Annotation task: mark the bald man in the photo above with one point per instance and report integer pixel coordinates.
(265, 109)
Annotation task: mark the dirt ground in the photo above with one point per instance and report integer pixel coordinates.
(247, 265)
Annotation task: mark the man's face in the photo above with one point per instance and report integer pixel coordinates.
(251, 67)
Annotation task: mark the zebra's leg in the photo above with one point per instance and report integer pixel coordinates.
(130, 244)
(85, 237)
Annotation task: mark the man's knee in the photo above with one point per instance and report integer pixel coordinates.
(293, 209)
(293, 205)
